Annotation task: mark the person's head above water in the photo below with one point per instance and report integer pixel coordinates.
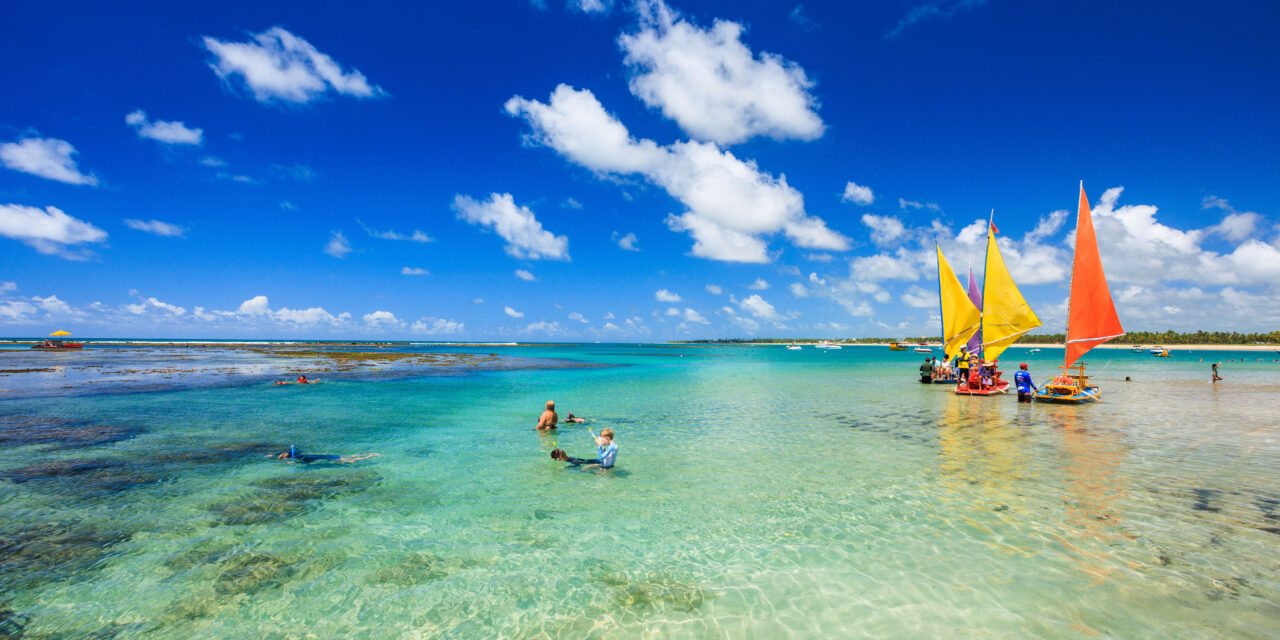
(551, 405)
(607, 434)
(559, 454)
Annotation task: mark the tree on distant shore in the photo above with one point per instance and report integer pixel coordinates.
(1133, 337)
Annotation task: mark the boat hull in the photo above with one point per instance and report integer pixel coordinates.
(1078, 396)
(1000, 388)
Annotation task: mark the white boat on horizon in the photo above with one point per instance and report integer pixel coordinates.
(924, 350)
(793, 347)
(826, 345)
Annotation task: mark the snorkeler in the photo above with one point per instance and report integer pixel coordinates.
(559, 454)
(307, 458)
(575, 419)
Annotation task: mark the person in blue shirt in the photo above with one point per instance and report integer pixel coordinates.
(608, 449)
(1025, 386)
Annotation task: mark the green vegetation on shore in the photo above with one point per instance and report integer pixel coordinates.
(1133, 337)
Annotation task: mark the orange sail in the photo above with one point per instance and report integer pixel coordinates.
(1091, 316)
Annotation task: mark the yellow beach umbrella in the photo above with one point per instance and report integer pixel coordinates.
(60, 333)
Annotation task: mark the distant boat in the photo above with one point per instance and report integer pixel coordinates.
(1006, 316)
(896, 346)
(793, 347)
(1091, 316)
(1034, 351)
(55, 343)
(1137, 349)
(923, 350)
(1158, 350)
(1163, 354)
(826, 345)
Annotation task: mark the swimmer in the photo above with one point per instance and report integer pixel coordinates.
(575, 419)
(307, 458)
(549, 418)
(559, 454)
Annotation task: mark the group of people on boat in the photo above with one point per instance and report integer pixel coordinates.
(934, 370)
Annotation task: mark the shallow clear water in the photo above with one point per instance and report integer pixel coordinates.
(759, 492)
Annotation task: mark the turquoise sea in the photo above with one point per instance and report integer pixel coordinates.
(759, 493)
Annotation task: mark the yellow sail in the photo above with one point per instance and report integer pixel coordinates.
(960, 319)
(1005, 314)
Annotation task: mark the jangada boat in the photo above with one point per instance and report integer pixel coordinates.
(896, 346)
(1004, 317)
(55, 343)
(1091, 316)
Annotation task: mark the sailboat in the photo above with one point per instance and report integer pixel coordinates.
(960, 317)
(1091, 316)
(1005, 317)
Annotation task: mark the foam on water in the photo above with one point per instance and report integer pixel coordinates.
(759, 493)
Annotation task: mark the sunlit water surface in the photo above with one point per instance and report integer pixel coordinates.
(759, 493)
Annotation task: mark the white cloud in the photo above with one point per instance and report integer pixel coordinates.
(382, 320)
(799, 290)
(337, 245)
(1046, 227)
(165, 131)
(152, 304)
(858, 194)
(416, 236)
(572, 203)
(526, 239)
(1235, 225)
(627, 242)
(542, 327)
(912, 204)
(692, 316)
(881, 267)
(512, 312)
(287, 206)
(213, 161)
(45, 157)
(941, 10)
(15, 311)
(49, 231)
(257, 308)
(819, 257)
(414, 271)
(433, 326)
(8, 286)
(758, 285)
(578, 316)
(53, 306)
(590, 6)
(711, 84)
(918, 297)
(662, 295)
(525, 275)
(884, 229)
(155, 226)
(729, 201)
(478, 300)
(715, 289)
(758, 307)
(277, 65)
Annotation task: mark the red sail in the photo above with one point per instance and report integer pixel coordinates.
(1091, 318)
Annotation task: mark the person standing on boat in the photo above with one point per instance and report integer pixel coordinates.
(962, 364)
(1025, 386)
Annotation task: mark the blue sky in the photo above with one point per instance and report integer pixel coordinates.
(600, 170)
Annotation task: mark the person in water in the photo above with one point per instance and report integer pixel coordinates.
(1025, 386)
(926, 370)
(303, 380)
(559, 454)
(608, 449)
(549, 418)
(575, 419)
(1216, 377)
(307, 458)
